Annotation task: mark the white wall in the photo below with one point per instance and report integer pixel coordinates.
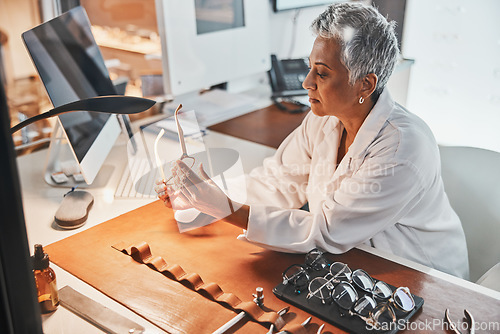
(284, 42)
(293, 41)
(287, 42)
(17, 16)
(455, 82)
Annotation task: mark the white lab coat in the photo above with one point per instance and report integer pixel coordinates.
(387, 192)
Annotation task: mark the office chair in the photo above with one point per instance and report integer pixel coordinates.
(491, 279)
(471, 179)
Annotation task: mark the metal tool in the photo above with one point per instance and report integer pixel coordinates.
(259, 300)
(230, 323)
(304, 324)
(468, 317)
(281, 313)
(258, 296)
(97, 314)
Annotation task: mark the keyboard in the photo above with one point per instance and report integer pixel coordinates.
(138, 180)
(216, 106)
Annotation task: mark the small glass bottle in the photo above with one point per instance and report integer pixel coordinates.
(45, 279)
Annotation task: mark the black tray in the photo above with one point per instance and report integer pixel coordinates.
(331, 313)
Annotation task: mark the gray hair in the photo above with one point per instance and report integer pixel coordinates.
(367, 40)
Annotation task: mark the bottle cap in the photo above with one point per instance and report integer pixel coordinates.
(40, 259)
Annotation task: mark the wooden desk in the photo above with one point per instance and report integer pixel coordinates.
(439, 290)
(268, 126)
(237, 267)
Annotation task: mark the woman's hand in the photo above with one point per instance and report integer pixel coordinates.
(200, 192)
(191, 191)
(171, 196)
(161, 191)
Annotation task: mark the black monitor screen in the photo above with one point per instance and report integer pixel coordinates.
(216, 15)
(71, 67)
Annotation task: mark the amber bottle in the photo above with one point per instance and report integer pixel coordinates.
(45, 279)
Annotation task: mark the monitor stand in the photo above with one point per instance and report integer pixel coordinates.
(62, 166)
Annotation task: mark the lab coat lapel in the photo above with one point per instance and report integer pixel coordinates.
(371, 126)
(333, 135)
(325, 159)
(366, 135)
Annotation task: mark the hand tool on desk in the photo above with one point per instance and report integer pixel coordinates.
(281, 313)
(240, 316)
(230, 323)
(258, 296)
(97, 314)
(258, 299)
(304, 324)
(468, 317)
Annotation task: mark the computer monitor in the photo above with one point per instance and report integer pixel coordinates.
(209, 42)
(280, 5)
(71, 67)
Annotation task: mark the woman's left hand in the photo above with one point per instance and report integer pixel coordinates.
(199, 192)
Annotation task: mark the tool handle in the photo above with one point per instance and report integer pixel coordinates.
(230, 323)
(157, 155)
(179, 131)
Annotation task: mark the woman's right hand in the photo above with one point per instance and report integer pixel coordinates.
(171, 197)
(161, 190)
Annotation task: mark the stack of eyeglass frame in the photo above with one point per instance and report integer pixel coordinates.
(351, 300)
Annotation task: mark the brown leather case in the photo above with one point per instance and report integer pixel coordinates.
(141, 252)
(236, 266)
(212, 252)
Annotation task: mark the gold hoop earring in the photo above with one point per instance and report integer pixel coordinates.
(361, 100)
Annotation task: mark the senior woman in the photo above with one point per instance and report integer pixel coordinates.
(368, 168)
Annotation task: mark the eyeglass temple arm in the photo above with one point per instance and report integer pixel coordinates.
(333, 279)
(179, 131)
(367, 320)
(157, 156)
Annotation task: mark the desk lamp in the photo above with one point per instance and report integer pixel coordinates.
(113, 104)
